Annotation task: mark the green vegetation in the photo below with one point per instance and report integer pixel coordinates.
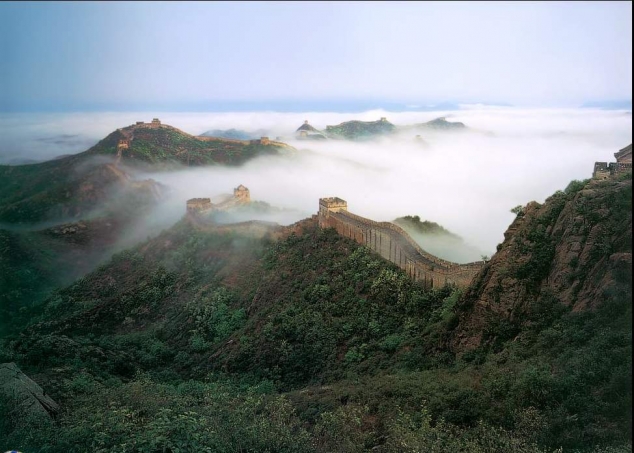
(89, 189)
(360, 130)
(32, 193)
(27, 273)
(71, 187)
(442, 124)
(235, 134)
(168, 148)
(202, 341)
(414, 223)
(518, 210)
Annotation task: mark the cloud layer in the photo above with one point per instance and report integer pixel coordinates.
(466, 182)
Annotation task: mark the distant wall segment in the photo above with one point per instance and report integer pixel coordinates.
(394, 244)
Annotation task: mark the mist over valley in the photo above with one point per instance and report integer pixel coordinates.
(466, 180)
(316, 227)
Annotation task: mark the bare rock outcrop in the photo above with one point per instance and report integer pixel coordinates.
(574, 251)
(26, 398)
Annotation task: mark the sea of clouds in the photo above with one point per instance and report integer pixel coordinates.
(465, 181)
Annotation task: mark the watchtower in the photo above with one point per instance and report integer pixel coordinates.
(156, 122)
(623, 164)
(242, 193)
(332, 204)
(123, 144)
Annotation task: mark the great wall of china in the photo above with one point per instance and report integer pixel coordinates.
(394, 244)
(128, 136)
(387, 239)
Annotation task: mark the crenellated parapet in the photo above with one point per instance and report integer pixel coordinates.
(199, 205)
(623, 164)
(196, 206)
(394, 244)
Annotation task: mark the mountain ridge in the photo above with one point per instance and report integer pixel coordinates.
(337, 332)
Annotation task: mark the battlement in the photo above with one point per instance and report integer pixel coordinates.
(242, 193)
(623, 164)
(154, 124)
(123, 144)
(624, 156)
(241, 196)
(196, 205)
(260, 141)
(331, 204)
(394, 244)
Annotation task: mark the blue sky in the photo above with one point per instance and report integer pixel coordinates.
(193, 56)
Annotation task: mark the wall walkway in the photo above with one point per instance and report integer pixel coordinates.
(394, 244)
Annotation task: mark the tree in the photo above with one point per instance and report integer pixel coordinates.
(518, 210)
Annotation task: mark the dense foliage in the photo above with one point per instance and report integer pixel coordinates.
(169, 148)
(208, 341)
(360, 130)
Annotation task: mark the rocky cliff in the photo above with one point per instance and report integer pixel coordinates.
(574, 252)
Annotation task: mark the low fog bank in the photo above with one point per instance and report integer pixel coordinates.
(448, 248)
(466, 181)
(260, 211)
(44, 136)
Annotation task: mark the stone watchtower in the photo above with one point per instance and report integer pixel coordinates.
(623, 164)
(124, 143)
(328, 205)
(156, 122)
(601, 170)
(241, 193)
(260, 141)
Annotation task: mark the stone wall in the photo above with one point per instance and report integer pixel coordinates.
(199, 205)
(623, 164)
(204, 138)
(394, 244)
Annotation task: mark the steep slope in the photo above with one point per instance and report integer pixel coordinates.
(338, 348)
(33, 263)
(69, 188)
(574, 251)
(66, 187)
(165, 147)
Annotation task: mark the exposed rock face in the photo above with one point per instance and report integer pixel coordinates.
(575, 250)
(28, 398)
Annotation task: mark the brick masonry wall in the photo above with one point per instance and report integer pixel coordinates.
(394, 244)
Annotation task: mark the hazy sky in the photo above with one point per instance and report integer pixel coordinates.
(161, 55)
